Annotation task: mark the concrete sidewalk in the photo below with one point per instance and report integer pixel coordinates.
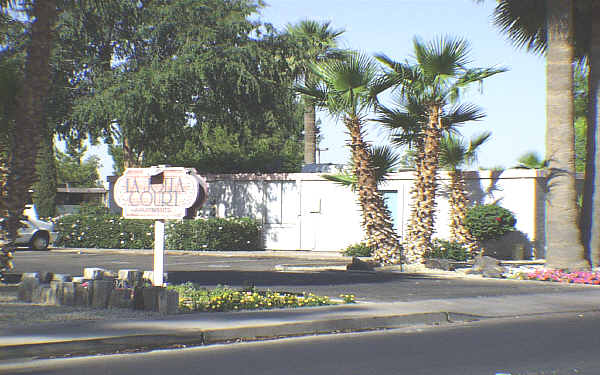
(82, 338)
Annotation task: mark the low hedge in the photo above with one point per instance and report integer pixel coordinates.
(214, 234)
(114, 232)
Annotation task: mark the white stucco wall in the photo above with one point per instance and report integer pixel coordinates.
(305, 211)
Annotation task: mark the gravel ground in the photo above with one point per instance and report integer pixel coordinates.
(15, 313)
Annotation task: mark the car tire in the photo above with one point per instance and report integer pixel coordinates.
(40, 241)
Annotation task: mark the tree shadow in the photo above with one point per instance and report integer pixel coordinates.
(480, 194)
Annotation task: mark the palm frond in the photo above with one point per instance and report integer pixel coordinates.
(344, 179)
(453, 152)
(404, 121)
(383, 160)
(459, 114)
(349, 82)
(442, 56)
(531, 160)
(477, 141)
(523, 22)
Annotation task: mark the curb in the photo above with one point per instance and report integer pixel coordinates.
(299, 254)
(144, 342)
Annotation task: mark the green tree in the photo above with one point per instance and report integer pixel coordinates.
(20, 159)
(455, 153)
(73, 172)
(347, 88)
(319, 41)
(44, 190)
(434, 81)
(202, 86)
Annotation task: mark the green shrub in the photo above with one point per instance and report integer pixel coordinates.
(114, 232)
(104, 231)
(443, 249)
(358, 250)
(195, 298)
(93, 209)
(489, 221)
(214, 234)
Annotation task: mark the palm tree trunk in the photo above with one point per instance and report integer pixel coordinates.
(310, 140)
(377, 221)
(29, 121)
(425, 204)
(458, 212)
(564, 247)
(416, 193)
(591, 196)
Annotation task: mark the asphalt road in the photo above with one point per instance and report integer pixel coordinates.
(563, 344)
(210, 271)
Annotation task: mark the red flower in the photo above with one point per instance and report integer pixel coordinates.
(499, 219)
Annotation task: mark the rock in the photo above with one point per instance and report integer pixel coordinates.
(57, 293)
(138, 298)
(151, 297)
(45, 277)
(160, 299)
(26, 288)
(487, 267)
(172, 303)
(121, 298)
(93, 273)
(359, 265)
(101, 290)
(83, 295)
(61, 277)
(512, 245)
(43, 294)
(132, 278)
(68, 294)
(439, 264)
(149, 276)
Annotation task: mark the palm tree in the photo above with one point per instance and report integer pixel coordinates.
(435, 81)
(320, 42)
(406, 120)
(531, 160)
(454, 154)
(383, 160)
(548, 26)
(29, 115)
(346, 88)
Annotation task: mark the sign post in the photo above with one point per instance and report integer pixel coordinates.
(159, 193)
(159, 253)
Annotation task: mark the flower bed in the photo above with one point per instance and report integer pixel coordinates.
(194, 298)
(580, 277)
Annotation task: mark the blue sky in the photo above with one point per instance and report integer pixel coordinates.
(514, 101)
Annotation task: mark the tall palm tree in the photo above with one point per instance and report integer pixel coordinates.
(20, 161)
(455, 153)
(562, 233)
(407, 120)
(436, 80)
(548, 26)
(320, 43)
(591, 195)
(346, 88)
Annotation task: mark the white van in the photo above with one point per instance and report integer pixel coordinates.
(35, 233)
